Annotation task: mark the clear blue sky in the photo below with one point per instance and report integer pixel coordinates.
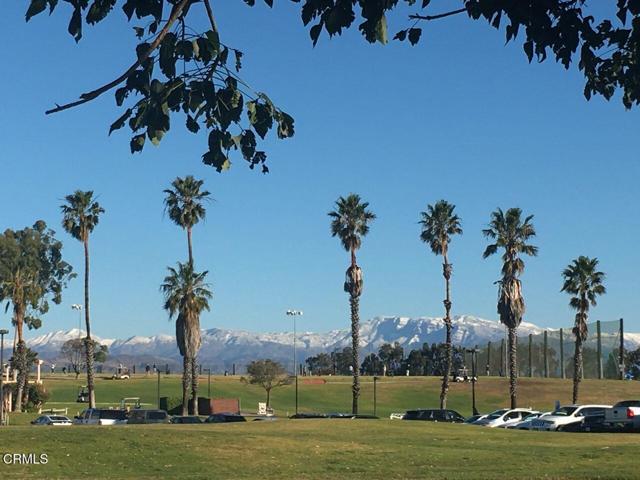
(460, 117)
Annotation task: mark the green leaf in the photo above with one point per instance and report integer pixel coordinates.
(414, 35)
(139, 32)
(214, 41)
(167, 60)
(285, 126)
(119, 123)
(381, 30)
(36, 7)
(137, 143)
(192, 125)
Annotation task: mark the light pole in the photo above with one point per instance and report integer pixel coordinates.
(294, 314)
(158, 370)
(78, 307)
(208, 370)
(474, 360)
(3, 332)
(375, 398)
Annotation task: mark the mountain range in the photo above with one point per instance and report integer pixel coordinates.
(222, 348)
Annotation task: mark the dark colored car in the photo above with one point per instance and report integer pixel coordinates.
(301, 416)
(434, 415)
(186, 419)
(225, 418)
(147, 416)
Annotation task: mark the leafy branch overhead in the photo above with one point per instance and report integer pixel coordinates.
(177, 69)
(607, 50)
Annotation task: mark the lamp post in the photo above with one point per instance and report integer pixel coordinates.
(158, 370)
(474, 361)
(294, 314)
(375, 397)
(3, 332)
(208, 370)
(78, 307)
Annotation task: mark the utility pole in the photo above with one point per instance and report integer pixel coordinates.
(546, 355)
(158, 370)
(562, 372)
(530, 356)
(294, 314)
(621, 349)
(375, 398)
(599, 348)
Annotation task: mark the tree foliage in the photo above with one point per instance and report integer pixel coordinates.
(177, 70)
(268, 374)
(74, 351)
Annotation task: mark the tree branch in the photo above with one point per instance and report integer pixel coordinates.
(436, 17)
(87, 97)
(212, 20)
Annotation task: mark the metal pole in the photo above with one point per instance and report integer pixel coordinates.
(621, 349)
(375, 398)
(295, 362)
(599, 345)
(546, 356)
(489, 359)
(209, 383)
(474, 361)
(158, 370)
(2, 334)
(562, 372)
(502, 354)
(530, 356)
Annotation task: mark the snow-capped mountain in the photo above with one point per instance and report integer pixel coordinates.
(222, 347)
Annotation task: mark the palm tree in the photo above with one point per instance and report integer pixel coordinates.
(584, 282)
(439, 223)
(511, 233)
(350, 222)
(183, 203)
(186, 296)
(80, 215)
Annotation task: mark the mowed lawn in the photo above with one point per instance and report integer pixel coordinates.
(351, 449)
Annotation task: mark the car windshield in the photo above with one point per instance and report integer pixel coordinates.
(496, 414)
(564, 411)
(628, 403)
(531, 416)
(113, 414)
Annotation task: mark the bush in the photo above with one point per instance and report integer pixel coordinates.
(172, 405)
(37, 396)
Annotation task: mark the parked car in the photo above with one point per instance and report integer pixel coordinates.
(625, 414)
(186, 419)
(567, 415)
(396, 416)
(504, 417)
(434, 415)
(101, 416)
(225, 418)
(303, 416)
(474, 418)
(351, 416)
(57, 420)
(590, 423)
(140, 416)
(526, 422)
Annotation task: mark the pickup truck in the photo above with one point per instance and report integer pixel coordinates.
(567, 415)
(624, 414)
(101, 416)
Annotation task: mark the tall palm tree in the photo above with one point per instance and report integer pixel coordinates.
(350, 222)
(186, 296)
(584, 282)
(80, 215)
(511, 234)
(439, 223)
(184, 204)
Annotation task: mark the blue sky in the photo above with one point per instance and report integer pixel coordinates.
(460, 117)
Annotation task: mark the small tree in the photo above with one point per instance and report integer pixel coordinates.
(74, 351)
(268, 374)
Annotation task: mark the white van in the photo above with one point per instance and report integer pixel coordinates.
(101, 416)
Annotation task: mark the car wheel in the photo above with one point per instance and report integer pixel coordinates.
(559, 429)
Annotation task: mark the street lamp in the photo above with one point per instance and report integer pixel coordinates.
(294, 314)
(208, 370)
(78, 307)
(3, 332)
(375, 398)
(474, 361)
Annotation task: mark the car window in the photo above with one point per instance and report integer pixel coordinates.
(497, 414)
(440, 415)
(156, 415)
(564, 411)
(59, 419)
(628, 403)
(587, 412)
(112, 414)
(94, 414)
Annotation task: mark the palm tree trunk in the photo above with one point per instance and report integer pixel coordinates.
(88, 343)
(577, 368)
(513, 366)
(186, 383)
(355, 346)
(190, 247)
(20, 356)
(446, 272)
(195, 376)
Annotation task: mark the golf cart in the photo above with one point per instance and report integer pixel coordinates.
(83, 394)
(127, 403)
(463, 375)
(122, 373)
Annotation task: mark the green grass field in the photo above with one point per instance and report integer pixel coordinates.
(324, 448)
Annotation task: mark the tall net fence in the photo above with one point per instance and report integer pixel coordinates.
(551, 354)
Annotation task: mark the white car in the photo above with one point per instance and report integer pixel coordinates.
(567, 415)
(56, 420)
(526, 422)
(504, 417)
